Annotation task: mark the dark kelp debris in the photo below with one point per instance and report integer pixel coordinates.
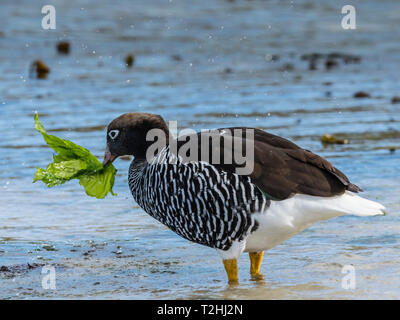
(331, 59)
(330, 139)
(20, 268)
(40, 69)
(346, 58)
(63, 47)
(361, 94)
(129, 60)
(228, 70)
(395, 99)
(176, 57)
(330, 64)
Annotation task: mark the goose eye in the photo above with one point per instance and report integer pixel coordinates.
(113, 134)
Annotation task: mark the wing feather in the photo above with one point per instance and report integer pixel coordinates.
(281, 168)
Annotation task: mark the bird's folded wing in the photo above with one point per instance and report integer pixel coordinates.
(281, 168)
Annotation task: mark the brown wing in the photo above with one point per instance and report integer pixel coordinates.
(281, 168)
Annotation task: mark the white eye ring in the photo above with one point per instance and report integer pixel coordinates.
(113, 134)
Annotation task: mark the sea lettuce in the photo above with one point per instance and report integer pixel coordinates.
(75, 162)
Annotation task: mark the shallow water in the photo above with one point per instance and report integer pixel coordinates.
(206, 65)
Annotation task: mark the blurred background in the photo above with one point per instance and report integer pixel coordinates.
(287, 67)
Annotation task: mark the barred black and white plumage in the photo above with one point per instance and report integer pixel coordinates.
(208, 202)
(196, 200)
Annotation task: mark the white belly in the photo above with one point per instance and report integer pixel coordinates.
(284, 219)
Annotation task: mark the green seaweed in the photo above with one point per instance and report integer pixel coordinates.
(74, 162)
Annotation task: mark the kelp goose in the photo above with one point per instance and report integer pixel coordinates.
(210, 203)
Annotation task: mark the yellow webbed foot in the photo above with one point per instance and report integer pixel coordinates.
(231, 270)
(255, 265)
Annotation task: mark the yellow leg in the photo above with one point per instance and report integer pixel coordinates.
(255, 264)
(231, 270)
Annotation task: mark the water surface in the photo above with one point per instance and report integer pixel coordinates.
(208, 64)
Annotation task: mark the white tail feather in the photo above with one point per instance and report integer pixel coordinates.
(358, 206)
(284, 219)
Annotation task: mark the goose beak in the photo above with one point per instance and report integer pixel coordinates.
(108, 157)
